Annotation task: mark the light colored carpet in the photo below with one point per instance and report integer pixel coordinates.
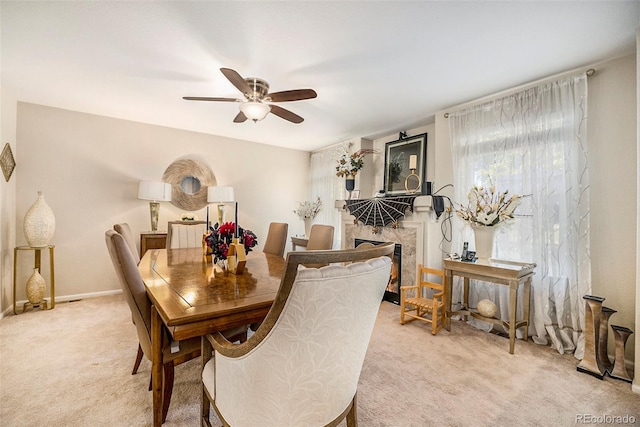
(71, 366)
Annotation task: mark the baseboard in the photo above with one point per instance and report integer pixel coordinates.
(65, 298)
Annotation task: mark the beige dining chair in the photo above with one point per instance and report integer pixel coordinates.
(302, 365)
(125, 231)
(185, 234)
(136, 296)
(276, 240)
(320, 237)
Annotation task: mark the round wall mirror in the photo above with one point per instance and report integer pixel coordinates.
(189, 179)
(190, 185)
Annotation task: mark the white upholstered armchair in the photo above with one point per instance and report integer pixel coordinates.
(301, 367)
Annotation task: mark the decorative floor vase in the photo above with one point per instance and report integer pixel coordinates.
(39, 223)
(35, 287)
(484, 237)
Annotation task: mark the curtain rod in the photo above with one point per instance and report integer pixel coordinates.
(590, 72)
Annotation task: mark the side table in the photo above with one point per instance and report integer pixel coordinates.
(508, 273)
(152, 240)
(298, 241)
(36, 264)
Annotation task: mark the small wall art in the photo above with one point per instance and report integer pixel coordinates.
(7, 162)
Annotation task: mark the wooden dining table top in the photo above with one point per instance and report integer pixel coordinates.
(194, 297)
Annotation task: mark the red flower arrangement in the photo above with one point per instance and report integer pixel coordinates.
(220, 237)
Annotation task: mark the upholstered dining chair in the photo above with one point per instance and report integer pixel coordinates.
(320, 237)
(185, 234)
(125, 231)
(276, 240)
(302, 365)
(140, 306)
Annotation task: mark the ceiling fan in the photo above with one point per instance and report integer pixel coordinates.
(258, 101)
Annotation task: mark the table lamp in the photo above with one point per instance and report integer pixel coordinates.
(220, 195)
(155, 191)
(236, 255)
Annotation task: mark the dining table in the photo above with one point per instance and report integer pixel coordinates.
(192, 296)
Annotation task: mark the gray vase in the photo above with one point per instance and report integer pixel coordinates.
(39, 223)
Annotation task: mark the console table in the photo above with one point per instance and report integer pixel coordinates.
(508, 273)
(298, 241)
(152, 240)
(37, 263)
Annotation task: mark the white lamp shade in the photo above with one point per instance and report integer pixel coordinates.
(255, 110)
(157, 191)
(220, 194)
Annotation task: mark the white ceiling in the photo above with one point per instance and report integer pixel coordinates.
(378, 67)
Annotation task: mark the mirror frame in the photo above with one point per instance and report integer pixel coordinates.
(181, 169)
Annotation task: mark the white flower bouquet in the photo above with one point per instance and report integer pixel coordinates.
(486, 207)
(308, 210)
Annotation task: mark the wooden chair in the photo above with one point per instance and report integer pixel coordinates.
(417, 304)
(320, 237)
(140, 306)
(185, 234)
(301, 367)
(276, 240)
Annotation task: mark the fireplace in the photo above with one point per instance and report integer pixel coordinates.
(392, 292)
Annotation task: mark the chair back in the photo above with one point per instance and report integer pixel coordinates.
(320, 237)
(125, 231)
(310, 347)
(276, 238)
(425, 275)
(185, 234)
(132, 286)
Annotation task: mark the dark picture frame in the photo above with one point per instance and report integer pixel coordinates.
(396, 164)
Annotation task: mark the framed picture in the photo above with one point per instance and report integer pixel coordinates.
(7, 161)
(355, 195)
(400, 157)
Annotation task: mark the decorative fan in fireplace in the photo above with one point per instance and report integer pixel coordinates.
(380, 212)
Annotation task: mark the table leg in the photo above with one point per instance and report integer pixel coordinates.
(52, 278)
(156, 367)
(448, 290)
(513, 305)
(465, 298)
(15, 264)
(526, 295)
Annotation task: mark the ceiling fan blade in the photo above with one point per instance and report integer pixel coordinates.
(204, 98)
(240, 118)
(237, 80)
(286, 114)
(292, 95)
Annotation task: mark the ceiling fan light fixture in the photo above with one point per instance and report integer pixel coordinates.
(255, 110)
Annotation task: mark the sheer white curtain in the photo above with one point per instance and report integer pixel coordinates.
(325, 184)
(534, 143)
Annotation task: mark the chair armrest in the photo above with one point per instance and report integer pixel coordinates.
(406, 288)
(438, 295)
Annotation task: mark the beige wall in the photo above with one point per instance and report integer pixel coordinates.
(611, 136)
(612, 140)
(7, 200)
(88, 168)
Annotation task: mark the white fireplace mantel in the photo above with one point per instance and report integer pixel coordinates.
(411, 234)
